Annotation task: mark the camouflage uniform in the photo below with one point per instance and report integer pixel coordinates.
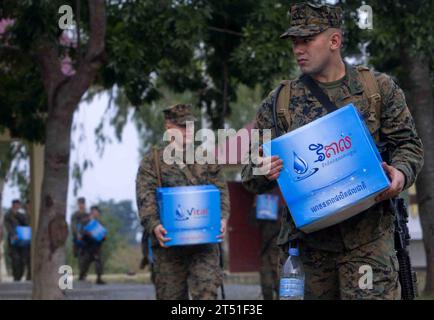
(91, 251)
(20, 256)
(76, 218)
(332, 256)
(180, 270)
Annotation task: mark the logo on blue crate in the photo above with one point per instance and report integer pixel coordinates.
(301, 168)
(182, 214)
(332, 149)
(335, 148)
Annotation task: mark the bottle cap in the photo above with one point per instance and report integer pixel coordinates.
(293, 252)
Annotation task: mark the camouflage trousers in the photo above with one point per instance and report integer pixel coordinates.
(347, 275)
(88, 254)
(269, 272)
(20, 261)
(187, 270)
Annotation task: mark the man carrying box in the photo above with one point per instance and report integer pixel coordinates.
(183, 270)
(336, 257)
(20, 254)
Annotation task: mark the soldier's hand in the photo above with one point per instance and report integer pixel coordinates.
(271, 166)
(160, 233)
(397, 182)
(223, 228)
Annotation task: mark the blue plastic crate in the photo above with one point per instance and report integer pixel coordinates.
(24, 236)
(331, 169)
(190, 214)
(96, 230)
(267, 206)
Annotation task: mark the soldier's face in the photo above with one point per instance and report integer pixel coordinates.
(81, 206)
(16, 207)
(312, 53)
(180, 129)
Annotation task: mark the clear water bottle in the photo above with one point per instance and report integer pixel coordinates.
(292, 277)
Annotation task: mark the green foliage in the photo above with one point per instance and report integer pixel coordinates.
(13, 157)
(398, 27)
(122, 217)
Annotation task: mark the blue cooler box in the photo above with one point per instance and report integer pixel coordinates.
(24, 234)
(331, 169)
(95, 229)
(190, 214)
(267, 206)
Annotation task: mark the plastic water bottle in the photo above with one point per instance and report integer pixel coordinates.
(292, 278)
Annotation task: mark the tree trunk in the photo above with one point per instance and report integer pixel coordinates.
(63, 95)
(2, 258)
(421, 92)
(52, 229)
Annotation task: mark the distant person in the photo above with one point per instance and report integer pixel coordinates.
(269, 254)
(76, 225)
(91, 249)
(19, 254)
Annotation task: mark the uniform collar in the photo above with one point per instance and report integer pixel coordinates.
(351, 82)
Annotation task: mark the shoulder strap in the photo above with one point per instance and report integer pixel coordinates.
(157, 164)
(188, 174)
(318, 93)
(371, 88)
(281, 104)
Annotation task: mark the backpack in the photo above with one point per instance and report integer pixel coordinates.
(283, 95)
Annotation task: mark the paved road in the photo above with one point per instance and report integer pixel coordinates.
(119, 291)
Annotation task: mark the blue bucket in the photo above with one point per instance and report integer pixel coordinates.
(24, 235)
(190, 214)
(96, 230)
(267, 206)
(331, 169)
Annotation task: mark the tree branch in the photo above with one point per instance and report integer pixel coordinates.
(235, 33)
(79, 83)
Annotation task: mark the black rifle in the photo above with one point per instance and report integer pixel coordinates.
(407, 276)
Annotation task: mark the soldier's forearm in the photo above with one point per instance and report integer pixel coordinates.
(149, 223)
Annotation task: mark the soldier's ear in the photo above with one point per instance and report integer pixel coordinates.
(335, 39)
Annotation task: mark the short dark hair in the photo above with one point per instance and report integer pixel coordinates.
(81, 200)
(16, 201)
(95, 208)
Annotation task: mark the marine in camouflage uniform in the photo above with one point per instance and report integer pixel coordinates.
(20, 255)
(180, 271)
(332, 257)
(76, 220)
(91, 251)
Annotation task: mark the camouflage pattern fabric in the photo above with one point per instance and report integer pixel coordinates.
(187, 270)
(332, 275)
(308, 19)
(179, 114)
